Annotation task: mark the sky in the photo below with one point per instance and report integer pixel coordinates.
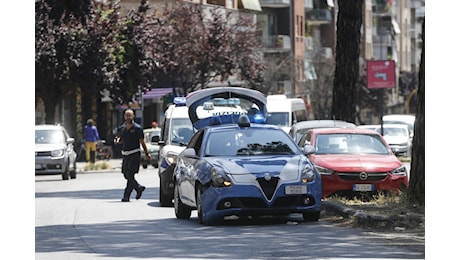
(17, 77)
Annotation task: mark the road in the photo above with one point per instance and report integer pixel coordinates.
(84, 219)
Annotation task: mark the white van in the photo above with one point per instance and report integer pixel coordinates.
(284, 112)
(176, 131)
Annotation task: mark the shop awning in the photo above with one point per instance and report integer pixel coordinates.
(156, 93)
(251, 5)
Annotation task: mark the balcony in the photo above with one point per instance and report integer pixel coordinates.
(276, 43)
(382, 40)
(319, 16)
(275, 3)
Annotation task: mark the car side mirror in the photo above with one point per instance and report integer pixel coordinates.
(190, 153)
(70, 140)
(308, 149)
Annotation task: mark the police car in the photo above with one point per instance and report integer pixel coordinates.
(236, 166)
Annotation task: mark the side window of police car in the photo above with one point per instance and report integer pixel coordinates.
(196, 141)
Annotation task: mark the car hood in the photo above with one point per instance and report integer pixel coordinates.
(224, 105)
(357, 162)
(244, 169)
(49, 147)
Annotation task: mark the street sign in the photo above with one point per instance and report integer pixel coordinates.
(381, 74)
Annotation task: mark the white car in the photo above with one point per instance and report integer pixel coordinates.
(151, 138)
(54, 152)
(397, 136)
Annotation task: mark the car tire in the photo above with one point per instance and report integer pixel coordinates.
(182, 211)
(311, 216)
(199, 206)
(165, 200)
(73, 172)
(144, 166)
(66, 173)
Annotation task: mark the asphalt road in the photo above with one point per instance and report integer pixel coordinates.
(84, 219)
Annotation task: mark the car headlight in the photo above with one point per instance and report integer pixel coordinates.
(57, 153)
(307, 174)
(219, 178)
(323, 170)
(400, 171)
(171, 158)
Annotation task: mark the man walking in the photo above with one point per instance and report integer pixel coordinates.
(130, 135)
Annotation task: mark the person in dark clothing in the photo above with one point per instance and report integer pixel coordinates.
(130, 135)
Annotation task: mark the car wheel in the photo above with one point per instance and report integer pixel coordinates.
(66, 173)
(73, 173)
(199, 206)
(311, 216)
(182, 211)
(144, 166)
(165, 200)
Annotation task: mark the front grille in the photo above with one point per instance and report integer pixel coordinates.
(260, 204)
(354, 176)
(47, 153)
(268, 187)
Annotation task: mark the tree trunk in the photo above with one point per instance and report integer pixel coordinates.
(416, 192)
(347, 60)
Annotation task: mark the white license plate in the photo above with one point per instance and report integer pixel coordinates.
(363, 187)
(296, 189)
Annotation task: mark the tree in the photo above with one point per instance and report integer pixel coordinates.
(194, 45)
(70, 44)
(347, 60)
(416, 191)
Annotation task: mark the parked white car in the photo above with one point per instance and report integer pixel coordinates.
(397, 136)
(54, 152)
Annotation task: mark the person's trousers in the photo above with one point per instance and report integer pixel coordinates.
(90, 151)
(129, 167)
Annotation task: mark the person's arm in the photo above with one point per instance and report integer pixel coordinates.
(141, 141)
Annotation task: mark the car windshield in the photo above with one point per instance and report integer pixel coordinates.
(394, 131)
(181, 130)
(49, 137)
(250, 141)
(278, 118)
(349, 143)
(148, 135)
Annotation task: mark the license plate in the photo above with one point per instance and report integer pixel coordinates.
(38, 166)
(296, 189)
(363, 187)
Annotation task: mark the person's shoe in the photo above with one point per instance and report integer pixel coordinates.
(124, 200)
(139, 192)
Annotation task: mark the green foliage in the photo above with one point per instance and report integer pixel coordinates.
(88, 45)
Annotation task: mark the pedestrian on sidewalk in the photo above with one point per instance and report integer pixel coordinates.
(130, 135)
(91, 135)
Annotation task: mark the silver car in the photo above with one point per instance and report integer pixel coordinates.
(54, 152)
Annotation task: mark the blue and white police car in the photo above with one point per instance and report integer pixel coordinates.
(236, 166)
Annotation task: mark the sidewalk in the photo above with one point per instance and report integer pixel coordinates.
(113, 164)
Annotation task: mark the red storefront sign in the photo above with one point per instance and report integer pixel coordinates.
(381, 74)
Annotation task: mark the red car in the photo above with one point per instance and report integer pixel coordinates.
(355, 161)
